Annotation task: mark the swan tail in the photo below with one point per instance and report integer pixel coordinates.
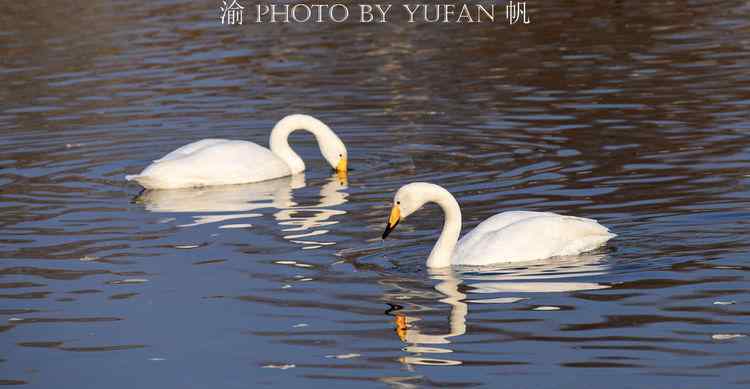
(585, 244)
(145, 181)
(591, 235)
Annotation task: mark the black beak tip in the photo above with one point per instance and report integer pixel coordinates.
(388, 229)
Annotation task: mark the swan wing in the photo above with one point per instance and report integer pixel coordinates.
(497, 222)
(191, 148)
(220, 163)
(532, 238)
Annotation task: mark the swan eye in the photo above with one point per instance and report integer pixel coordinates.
(398, 203)
(341, 155)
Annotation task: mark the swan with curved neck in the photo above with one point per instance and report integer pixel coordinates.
(514, 236)
(211, 162)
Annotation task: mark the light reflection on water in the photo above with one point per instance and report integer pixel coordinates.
(229, 206)
(635, 116)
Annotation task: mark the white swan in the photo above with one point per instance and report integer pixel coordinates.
(506, 237)
(210, 162)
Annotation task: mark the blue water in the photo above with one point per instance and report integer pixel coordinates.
(634, 116)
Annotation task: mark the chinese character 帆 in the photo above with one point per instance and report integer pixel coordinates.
(513, 12)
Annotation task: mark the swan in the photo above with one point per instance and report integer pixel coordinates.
(211, 162)
(514, 236)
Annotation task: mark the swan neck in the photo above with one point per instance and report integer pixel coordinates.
(279, 141)
(443, 251)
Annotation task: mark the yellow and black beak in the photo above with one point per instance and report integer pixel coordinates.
(392, 220)
(343, 178)
(342, 166)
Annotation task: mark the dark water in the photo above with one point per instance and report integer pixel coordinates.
(636, 115)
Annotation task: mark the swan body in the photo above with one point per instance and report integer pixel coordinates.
(210, 162)
(514, 236)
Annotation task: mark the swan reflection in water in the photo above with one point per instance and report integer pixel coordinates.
(230, 205)
(304, 221)
(523, 279)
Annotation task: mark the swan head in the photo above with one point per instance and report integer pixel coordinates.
(330, 144)
(408, 200)
(334, 151)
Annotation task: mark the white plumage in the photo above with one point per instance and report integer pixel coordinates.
(526, 236)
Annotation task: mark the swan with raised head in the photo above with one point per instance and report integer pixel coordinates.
(211, 162)
(514, 236)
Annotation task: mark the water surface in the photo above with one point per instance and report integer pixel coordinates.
(635, 116)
